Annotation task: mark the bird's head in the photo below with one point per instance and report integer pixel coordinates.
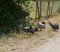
(43, 22)
(30, 26)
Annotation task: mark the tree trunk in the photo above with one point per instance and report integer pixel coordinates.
(48, 10)
(52, 8)
(40, 8)
(37, 10)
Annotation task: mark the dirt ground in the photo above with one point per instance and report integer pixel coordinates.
(53, 45)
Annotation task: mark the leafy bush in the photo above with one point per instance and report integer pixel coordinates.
(11, 16)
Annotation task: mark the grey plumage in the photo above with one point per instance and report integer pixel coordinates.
(26, 29)
(41, 25)
(30, 29)
(54, 25)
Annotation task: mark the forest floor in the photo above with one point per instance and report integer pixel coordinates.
(45, 41)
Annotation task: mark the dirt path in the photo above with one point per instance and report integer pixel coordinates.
(53, 45)
(33, 45)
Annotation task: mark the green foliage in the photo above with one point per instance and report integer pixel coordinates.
(22, 1)
(11, 16)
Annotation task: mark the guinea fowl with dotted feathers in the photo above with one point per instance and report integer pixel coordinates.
(54, 25)
(41, 25)
(30, 29)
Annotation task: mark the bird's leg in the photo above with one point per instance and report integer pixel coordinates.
(57, 30)
(40, 29)
(31, 34)
(28, 32)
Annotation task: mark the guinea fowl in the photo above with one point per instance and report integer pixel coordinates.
(55, 26)
(33, 29)
(41, 25)
(30, 29)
